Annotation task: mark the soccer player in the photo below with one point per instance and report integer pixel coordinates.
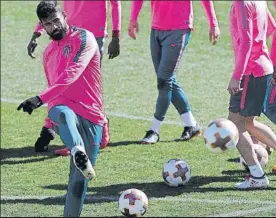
(171, 25)
(249, 83)
(80, 14)
(74, 96)
(270, 105)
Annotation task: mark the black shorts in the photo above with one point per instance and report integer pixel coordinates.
(250, 102)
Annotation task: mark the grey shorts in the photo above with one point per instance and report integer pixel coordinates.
(270, 103)
(250, 102)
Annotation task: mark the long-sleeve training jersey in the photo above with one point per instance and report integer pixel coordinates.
(249, 26)
(72, 68)
(91, 15)
(173, 15)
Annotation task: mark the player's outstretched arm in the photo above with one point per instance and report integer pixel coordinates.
(214, 31)
(133, 27)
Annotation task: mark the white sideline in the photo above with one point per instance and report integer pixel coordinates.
(239, 213)
(114, 114)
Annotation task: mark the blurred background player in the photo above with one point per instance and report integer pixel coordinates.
(270, 104)
(250, 81)
(74, 98)
(80, 14)
(171, 25)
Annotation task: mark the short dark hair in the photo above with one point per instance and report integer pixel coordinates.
(47, 8)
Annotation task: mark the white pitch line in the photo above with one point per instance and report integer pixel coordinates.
(93, 198)
(114, 114)
(245, 212)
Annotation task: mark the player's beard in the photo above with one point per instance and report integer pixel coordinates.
(58, 34)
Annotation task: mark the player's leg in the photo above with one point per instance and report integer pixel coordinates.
(261, 131)
(68, 124)
(152, 136)
(173, 46)
(106, 135)
(77, 187)
(243, 108)
(46, 135)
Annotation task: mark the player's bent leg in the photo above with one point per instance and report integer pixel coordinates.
(106, 135)
(68, 123)
(262, 132)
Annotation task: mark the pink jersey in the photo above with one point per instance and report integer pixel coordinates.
(72, 68)
(249, 26)
(91, 15)
(173, 15)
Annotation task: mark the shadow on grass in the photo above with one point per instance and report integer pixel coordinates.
(242, 173)
(152, 189)
(26, 152)
(123, 143)
(111, 193)
(234, 160)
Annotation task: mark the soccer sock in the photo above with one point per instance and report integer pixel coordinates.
(155, 125)
(188, 119)
(256, 170)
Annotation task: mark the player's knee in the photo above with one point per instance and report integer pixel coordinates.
(78, 189)
(164, 84)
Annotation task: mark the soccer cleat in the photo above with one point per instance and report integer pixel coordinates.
(105, 137)
(253, 182)
(189, 132)
(82, 162)
(42, 143)
(63, 152)
(151, 137)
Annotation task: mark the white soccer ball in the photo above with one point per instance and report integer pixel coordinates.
(133, 202)
(176, 172)
(221, 135)
(262, 156)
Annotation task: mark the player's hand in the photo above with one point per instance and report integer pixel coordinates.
(32, 44)
(133, 28)
(214, 34)
(234, 87)
(114, 48)
(30, 104)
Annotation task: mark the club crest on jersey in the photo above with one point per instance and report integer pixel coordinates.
(66, 50)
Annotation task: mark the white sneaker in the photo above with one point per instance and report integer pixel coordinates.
(82, 162)
(151, 137)
(253, 182)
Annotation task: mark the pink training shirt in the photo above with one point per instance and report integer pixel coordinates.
(72, 68)
(249, 22)
(91, 15)
(173, 15)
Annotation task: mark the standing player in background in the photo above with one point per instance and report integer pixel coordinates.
(74, 95)
(90, 15)
(172, 22)
(250, 80)
(270, 105)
